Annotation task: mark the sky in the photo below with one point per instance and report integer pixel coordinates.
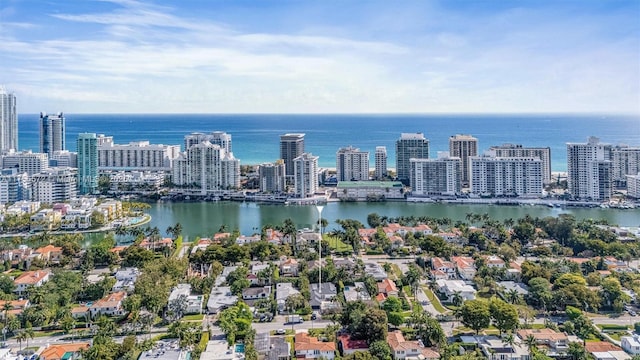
(321, 56)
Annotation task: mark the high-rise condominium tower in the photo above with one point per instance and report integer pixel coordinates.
(52, 133)
(381, 162)
(463, 146)
(589, 170)
(8, 121)
(87, 163)
(291, 146)
(305, 169)
(409, 146)
(352, 164)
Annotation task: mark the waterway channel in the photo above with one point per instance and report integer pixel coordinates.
(205, 218)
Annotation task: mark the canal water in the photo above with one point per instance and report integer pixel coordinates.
(205, 218)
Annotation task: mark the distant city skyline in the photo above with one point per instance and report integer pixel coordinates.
(129, 56)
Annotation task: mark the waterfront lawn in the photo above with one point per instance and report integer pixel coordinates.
(336, 244)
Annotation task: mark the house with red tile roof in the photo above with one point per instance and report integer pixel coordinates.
(17, 307)
(466, 267)
(148, 244)
(63, 351)
(388, 287)
(445, 267)
(348, 346)
(50, 254)
(30, 278)
(402, 349)
(307, 347)
(110, 305)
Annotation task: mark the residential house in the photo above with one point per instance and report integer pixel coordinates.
(17, 307)
(243, 239)
(307, 347)
(553, 342)
(323, 296)
(126, 279)
(45, 219)
(193, 302)
(602, 350)
(220, 298)
(443, 269)
(50, 254)
(283, 291)
(493, 261)
(494, 348)
(347, 345)
(514, 272)
(631, 344)
(387, 287)
(156, 245)
(376, 270)
(201, 245)
(69, 351)
(356, 292)
(256, 268)
(366, 236)
(402, 349)
(396, 241)
(307, 237)
(289, 267)
(466, 267)
(521, 288)
(30, 278)
(255, 293)
(110, 305)
(274, 236)
(80, 312)
(220, 237)
(449, 288)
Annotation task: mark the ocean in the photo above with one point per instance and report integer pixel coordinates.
(255, 138)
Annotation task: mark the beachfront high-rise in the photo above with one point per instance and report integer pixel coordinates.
(137, 155)
(506, 176)
(381, 162)
(517, 150)
(271, 177)
(352, 164)
(441, 176)
(207, 166)
(305, 175)
(589, 170)
(291, 146)
(52, 133)
(8, 121)
(626, 161)
(409, 146)
(87, 146)
(220, 138)
(463, 147)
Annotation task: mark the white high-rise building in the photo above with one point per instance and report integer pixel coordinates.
(8, 121)
(409, 146)
(52, 133)
(272, 177)
(463, 147)
(25, 161)
(441, 176)
(517, 150)
(208, 167)
(291, 146)
(305, 175)
(139, 155)
(54, 185)
(14, 186)
(64, 158)
(381, 162)
(220, 138)
(352, 164)
(500, 176)
(633, 186)
(587, 174)
(626, 161)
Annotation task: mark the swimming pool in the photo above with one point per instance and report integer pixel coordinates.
(239, 348)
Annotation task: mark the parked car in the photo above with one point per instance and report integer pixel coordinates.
(280, 332)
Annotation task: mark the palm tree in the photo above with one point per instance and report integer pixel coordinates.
(531, 342)
(20, 337)
(29, 334)
(457, 299)
(513, 296)
(6, 307)
(508, 339)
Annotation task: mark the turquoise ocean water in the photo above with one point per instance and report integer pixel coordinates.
(256, 137)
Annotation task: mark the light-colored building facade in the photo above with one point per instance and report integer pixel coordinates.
(463, 147)
(208, 167)
(626, 161)
(589, 170)
(381, 162)
(291, 147)
(87, 163)
(272, 177)
(219, 138)
(25, 161)
(517, 150)
(139, 155)
(54, 185)
(370, 190)
(8, 121)
(496, 176)
(64, 158)
(305, 175)
(14, 187)
(409, 146)
(352, 164)
(52, 133)
(633, 186)
(441, 176)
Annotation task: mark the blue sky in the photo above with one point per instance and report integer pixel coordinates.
(323, 56)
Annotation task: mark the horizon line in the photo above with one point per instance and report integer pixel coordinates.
(354, 113)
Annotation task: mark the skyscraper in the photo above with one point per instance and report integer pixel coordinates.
(352, 164)
(52, 133)
(87, 163)
(506, 176)
(463, 146)
(381, 162)
(272, 178)
(291, 146)
(441, 176)
(8, 121)
(216, 138)
(409, 146)
(589, 170)
(207, 166)
(305, 175)
(517, 150)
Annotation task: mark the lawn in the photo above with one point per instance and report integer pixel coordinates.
(433, 299)
(193, 317)
(336, 244)
(605, 327)
(396, 271)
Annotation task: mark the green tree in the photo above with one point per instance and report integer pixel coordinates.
(380, 350)
(504, 316)
(476, 314)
